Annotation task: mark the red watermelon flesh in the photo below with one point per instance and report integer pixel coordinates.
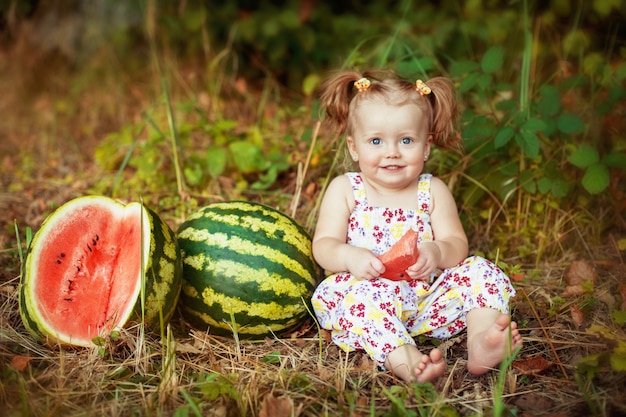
(400, 257)
(88, 270)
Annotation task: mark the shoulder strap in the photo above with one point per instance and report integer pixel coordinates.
(423, 193)
(358, 188)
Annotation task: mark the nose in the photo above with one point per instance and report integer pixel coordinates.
(392, 150)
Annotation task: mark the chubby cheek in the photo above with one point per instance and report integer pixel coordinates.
(369, 161)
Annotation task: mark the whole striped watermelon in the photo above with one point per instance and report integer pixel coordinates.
(95, 264)
(246, 267)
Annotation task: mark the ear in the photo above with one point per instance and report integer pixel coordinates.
(429, 143)
(352, 148)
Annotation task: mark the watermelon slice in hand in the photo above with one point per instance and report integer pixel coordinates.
(400, 256)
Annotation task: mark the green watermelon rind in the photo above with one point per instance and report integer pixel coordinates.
(267, 269)
(164, 282)
(160, 245)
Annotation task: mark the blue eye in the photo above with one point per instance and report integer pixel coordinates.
(376, 141)
(406, 141)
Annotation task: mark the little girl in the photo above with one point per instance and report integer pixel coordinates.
(391, 125)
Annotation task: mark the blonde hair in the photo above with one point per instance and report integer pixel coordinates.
(340, 100)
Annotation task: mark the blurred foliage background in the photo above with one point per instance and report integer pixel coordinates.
(182, 103)
(188, 101)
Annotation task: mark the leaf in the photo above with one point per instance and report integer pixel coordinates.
(544, 185)
(484, 80)
(527, 182)
(570, 124)
(580, 271)
(584, 156)
(193, 20)
(492, 60)
(619, 317)
(577, 315)
(589, 365)
(326, 335)
(533, 125)
(532, 366)
(615, 160)
(193, 174)
(503, 137)
(20, 363)
(560, 188)
(463, 67)
(272, 357)
(618, 362)
(248, 157)
(596, 178)
(469, 82)
(216, 158)
(550, 102)
(573, 291)
(603, 331)
(604, 7)
(529, 142)
(310, 83)
(517, 276)
(99, 341)
(272, 406)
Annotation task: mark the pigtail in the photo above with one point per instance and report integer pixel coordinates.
(445, 114)
(336, 94)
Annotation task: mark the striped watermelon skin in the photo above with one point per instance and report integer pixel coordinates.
(164, 272)
(155, 297)
(245, 264)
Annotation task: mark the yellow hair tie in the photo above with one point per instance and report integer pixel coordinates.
(422, 88)
(362, 84)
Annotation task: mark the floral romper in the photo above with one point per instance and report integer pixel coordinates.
(380, 315)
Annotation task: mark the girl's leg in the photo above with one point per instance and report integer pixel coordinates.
(475, 294)
(491, 337)
(368, 315)
(409, 364)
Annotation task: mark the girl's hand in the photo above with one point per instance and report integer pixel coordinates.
(363, 264)
(429, 258)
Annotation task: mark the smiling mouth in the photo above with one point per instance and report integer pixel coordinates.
(393, 167)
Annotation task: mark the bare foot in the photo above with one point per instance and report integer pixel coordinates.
(488, 348)
(409, 364)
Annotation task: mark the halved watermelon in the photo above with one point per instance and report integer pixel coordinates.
(86, 267)
(400, 257)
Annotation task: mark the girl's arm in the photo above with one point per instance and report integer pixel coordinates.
(329, 241)
(450, 242)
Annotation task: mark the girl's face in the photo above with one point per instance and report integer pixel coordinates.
(390, 142)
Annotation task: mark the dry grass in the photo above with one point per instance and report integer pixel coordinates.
(186, 372)
(189, 370)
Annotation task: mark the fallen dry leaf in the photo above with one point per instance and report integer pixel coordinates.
(183, 347)
(517, 277)
(9, 289)
(532, 366)
(20, 363)
(580, 271)
(276, 406)
(362, 402)
(326, 335)
(573, 290)
(533, 402)
(577, 315)
(241, 85)
(364, 363)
